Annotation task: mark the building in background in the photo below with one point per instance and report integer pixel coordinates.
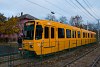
(13, 37)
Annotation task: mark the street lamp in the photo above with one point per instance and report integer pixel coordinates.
(52, 15)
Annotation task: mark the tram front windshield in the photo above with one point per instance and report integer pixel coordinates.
(28, 32)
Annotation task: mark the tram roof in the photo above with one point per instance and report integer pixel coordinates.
(54, 23)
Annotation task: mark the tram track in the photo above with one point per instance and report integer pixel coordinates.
(54, 60)
(96, 62)
(73, 61)
(42, 61)
(70, 58)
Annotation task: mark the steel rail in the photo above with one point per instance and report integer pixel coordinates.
(95, 61)
(68, 64)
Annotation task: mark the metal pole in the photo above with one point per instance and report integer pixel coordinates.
(87, 24)
(98, 31)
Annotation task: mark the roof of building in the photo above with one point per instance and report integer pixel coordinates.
(28, 17)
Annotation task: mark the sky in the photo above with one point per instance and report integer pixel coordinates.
(41, 8)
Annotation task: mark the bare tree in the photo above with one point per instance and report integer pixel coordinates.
(51, 17)
(76, 21)
(63, 20)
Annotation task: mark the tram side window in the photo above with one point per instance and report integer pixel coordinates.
(68, 33)
(83, 35)
(61, 33)
(78, 34)
(73, 34)
(46, 33)
(91, 35)
(88, 35)
(52, 32)
(39, 31)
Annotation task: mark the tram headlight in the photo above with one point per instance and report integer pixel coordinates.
(31, 46)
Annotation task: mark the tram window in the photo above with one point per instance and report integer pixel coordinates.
(83, 35)
(68, 33)
(39, 31)
(46, 33)
(73, 34)
(28, 32)
(61, 33)
(91, 35)
(52, 32)
(28, 35)
(78, 34)
(88, 35)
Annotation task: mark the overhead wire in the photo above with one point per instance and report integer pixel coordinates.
(71, 3)
(42, 6)
(85, 14)
(66, 1)
(86, 9)
(88, 5)
(58, 7)
(64, 4)
(55, 6)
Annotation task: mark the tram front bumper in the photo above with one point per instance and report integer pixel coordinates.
(28, 46)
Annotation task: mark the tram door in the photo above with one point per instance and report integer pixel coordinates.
(49, 39)
(46, 43)
(53, 39)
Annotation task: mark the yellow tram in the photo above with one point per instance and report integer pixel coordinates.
(45, 37)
